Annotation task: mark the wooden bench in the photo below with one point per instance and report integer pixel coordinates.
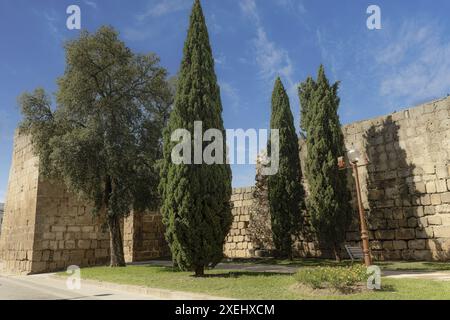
(355, 253)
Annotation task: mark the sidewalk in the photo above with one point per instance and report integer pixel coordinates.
(436, 275)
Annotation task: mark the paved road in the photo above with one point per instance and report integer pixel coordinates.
(46, 287)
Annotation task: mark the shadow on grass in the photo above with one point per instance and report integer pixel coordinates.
(239, 274)
(387, 288)
(307, 262)
(220, 273)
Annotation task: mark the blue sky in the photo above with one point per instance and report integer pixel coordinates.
(403, 64)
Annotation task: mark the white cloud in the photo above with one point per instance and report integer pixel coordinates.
(294, 6)
(141, 30)
(54, 23)
(220, 59)
(248, 7)
(414, 62)
(137, 34)
(213, 25)
(231, 93)
(330, 57)
(164, 7)
(272, 60)
(91, 4)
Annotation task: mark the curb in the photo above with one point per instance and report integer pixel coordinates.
(160, 294)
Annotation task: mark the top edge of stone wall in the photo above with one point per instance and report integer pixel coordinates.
(243, 190)
(406, 113)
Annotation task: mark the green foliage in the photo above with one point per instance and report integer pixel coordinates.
(328, 201)
(340, 278)
(104, 137)
(196, 198)
(285, 189)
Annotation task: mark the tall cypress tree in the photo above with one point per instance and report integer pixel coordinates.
(196, 197)
(328, 203)
(285, 189)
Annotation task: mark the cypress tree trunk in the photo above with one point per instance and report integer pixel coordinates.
(336, 252)
(200, 271)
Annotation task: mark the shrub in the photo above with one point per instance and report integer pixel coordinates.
(341, 278)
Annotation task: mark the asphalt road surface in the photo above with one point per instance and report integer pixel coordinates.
(46, 287)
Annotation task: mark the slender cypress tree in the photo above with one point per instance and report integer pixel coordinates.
(328, 202)
(285, 189)
(196, 197)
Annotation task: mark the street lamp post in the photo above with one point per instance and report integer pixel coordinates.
(354, 158)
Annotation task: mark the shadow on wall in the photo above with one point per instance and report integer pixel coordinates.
(397, 199)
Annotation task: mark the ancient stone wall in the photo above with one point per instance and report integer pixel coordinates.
(17, 236)
(66, 232)
(405, 181)
(144, 237)
(46, 228)
(238, 243)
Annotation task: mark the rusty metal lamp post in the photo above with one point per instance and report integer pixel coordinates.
(354, 157)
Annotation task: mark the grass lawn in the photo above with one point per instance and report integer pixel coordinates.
(250, 285)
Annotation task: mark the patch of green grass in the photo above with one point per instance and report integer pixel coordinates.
(251, 285)
(315, 262)
(299, 262)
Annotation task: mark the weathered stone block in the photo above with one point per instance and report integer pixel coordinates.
(434, 220)
(431, 187)
(441, 231)
(416, 244)
(383, 235)
(442, 171)
(436, 199)
(441, 186)
(399, 244)
(429, 210)
(405, 234)
(445, 197)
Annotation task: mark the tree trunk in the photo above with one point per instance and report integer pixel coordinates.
(116, 242)
(337, 256)
(115, 234)
(200, 271)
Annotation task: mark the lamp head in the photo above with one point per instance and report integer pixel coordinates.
(354, 156)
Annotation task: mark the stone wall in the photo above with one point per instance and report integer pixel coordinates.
(405, 181)
(17, 236)
(238, 243)
(46, 228)
(66, 232)
(144, 237)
